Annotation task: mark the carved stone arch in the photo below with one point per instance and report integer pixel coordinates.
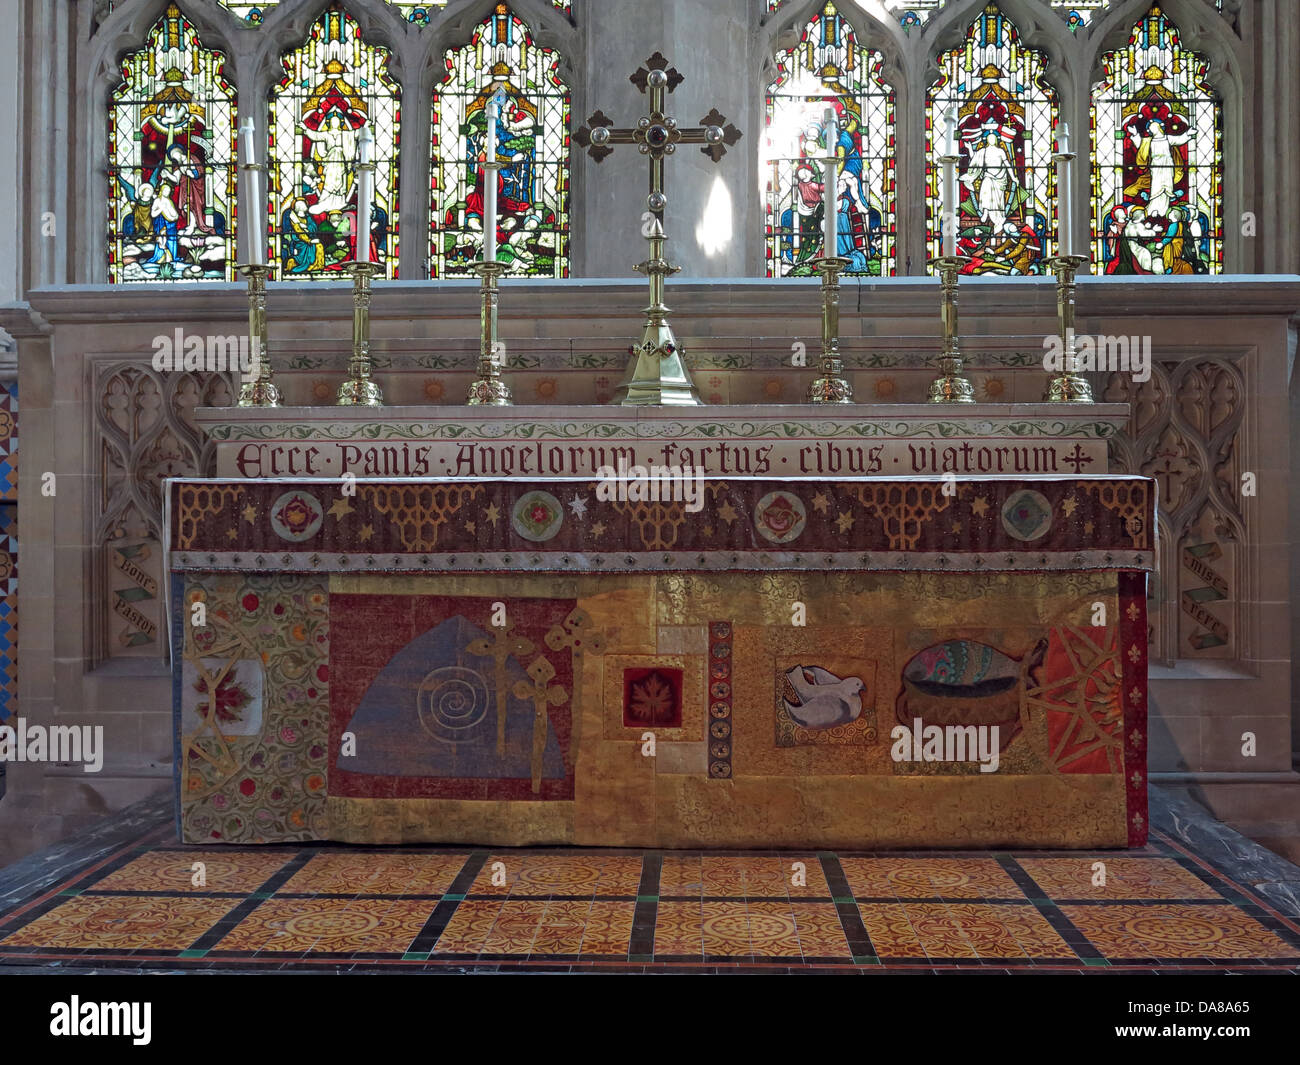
(453, 27)
(782, 28)
(1203, 30)
(287, 27)
(1039, 27)
(126, 30)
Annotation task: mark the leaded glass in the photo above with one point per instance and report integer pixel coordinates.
(532, 148)
(171, 161)
(1157, 146)
(1006, 114)
(333, 85)
(418, 11)
(829, 68)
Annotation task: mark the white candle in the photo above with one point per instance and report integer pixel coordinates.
(830, 185)
(1064, 190)
(490, 183)
(365, 190)
(948, 223)
(253, 204)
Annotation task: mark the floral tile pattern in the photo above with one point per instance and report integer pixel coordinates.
(386, 909)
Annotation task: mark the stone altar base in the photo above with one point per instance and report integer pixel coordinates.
(852, 663)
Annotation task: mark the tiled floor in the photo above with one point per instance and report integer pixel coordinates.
(153, 905)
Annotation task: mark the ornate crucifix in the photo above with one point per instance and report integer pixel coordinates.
(657, 374)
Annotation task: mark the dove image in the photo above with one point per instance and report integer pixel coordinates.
(816, 698)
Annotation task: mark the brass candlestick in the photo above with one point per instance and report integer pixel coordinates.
(950, 386)
(1069, 386)
(359, 390)
(258, 389)
(488, 388)
(831, 386)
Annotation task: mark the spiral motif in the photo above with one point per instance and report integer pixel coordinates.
(451, 702)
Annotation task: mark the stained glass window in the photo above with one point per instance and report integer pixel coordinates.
(532, 149)
(1157, 146)
(171, 161)
(1006, 113)
(418, 11)
(332, 86)
(829, 68)
(917, 12)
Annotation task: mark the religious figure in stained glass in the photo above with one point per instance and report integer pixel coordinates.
(1157, 158)
(829, 69)
(1006, 112)
(171, 151)
(532, 150)
(332, 86)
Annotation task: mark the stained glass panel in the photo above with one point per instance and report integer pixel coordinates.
(1157, 146)
(1006, 114)
(171, 161)
(829, 68)
(917, 12)
(417, 11)
(332, 86)
(532, 148)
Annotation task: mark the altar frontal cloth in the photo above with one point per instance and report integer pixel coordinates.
(730, 662)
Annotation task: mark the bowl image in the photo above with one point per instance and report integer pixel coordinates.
(963, 682)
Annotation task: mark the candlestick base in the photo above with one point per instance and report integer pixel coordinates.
(1069, 386)
(950, 386)
(488, 389)
(258, 388)
(359, 390)
(831, 386)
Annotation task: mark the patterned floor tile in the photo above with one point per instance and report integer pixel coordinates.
(469, 927)
(225, 870)
(330, 926)
(960, 930)
(534, 875)
(1177, 932)
(120, 922)
(1126, 878)
(515, 927)
(376, 873)
(820, 933)
(911, 878)
(678, 929)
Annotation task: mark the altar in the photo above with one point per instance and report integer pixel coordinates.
(829, 662)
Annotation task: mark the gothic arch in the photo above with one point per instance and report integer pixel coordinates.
(1203, 30)
(125, 31)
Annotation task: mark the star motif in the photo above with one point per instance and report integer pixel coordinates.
(341, 509)
(492, 514)
(231, 534)
(598, 529)
(1087, 528)
(979, 506)
(367, 531)
(708, 530)
(727, 512)
(250, 514)
(1069, 505)
(956, 527)
(820, 502)
(579, 506)
(471, 527)
(844, 522)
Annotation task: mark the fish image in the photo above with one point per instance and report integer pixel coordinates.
(817, 699)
